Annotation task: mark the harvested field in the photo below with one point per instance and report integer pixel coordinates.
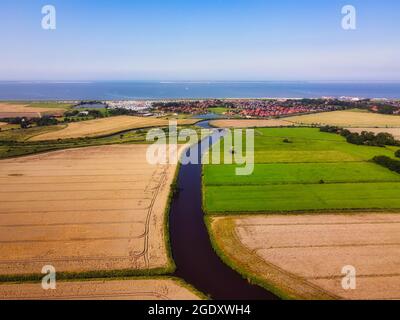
(10, 110)
(86, 209)
(347, 119)
(106, 126)
(250, 123)
(3, 124)
(303, 256)
(157, 289)
(395, 132)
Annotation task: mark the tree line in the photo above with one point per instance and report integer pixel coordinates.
(25, 123)
(391, 164)
(365, 138)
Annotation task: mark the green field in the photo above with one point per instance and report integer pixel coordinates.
(218, 110)
(55, 105)
(299, 173)
(314, 171)
(308, 145)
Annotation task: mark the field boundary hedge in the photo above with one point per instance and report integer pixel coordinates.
(391, 164)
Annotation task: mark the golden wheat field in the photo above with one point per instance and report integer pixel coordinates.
(347, 119)
(139, 289)
(350, 118)
(304, 255)
(106, 126)
(11, 110)
(87, 209)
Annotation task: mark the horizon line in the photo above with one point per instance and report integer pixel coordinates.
(187, 81)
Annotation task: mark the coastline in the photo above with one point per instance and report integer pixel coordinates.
(193, 90)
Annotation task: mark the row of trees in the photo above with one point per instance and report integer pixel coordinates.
(91, 113)
(391, 164)
(25, 123)
(121, 112)
(69, 116)
(90, 102)
(387, 109)
(73, 115)
(365, 138)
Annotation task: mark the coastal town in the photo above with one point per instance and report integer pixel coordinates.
(221, 108)
(255, 108)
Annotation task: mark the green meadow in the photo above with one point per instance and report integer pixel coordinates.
(218, 110)
(300, 169)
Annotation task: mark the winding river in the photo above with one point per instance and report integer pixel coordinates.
(196, 261)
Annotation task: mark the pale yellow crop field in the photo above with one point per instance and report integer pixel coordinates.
(141, 289)
(303, 256)
(87, 209)
(347, 119)
(11, 110)
(106, 126)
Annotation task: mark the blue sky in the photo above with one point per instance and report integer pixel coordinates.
(200, 40)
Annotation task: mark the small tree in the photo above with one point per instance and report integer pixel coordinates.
(397, 153)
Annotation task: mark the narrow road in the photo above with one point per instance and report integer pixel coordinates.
(196, 261)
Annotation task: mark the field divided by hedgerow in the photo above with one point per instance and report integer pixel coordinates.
(303, 169)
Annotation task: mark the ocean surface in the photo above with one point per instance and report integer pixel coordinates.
(123, 90)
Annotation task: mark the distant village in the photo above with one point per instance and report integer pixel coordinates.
(255, 108)
(224, 108)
